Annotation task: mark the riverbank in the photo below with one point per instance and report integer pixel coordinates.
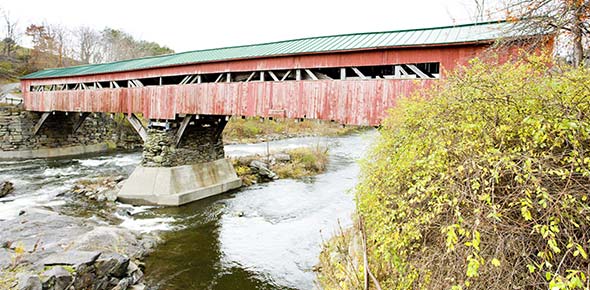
(476, 184)
(255, 130)
(55, 234)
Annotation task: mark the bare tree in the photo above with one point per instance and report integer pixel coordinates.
(88, 45)
(11, 36)
(480, 6)
(566, 18)
(62, 44)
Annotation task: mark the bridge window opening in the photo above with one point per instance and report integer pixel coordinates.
(240, 76)
(286, 75)
(170, 80)
(121, 84)
(398, 71)
(155, 81)
(209, 78)
(328, 73)
(431, 68)
(105, 85)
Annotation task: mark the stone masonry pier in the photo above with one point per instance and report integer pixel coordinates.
(183, 161)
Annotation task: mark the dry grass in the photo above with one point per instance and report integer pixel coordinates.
(251, 130)
(306, 161)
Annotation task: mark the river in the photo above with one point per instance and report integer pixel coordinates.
(266, 236)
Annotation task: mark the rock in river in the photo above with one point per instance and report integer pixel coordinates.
(6, 188)
(262, 170)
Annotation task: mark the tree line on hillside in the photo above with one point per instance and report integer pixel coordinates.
(54, 45)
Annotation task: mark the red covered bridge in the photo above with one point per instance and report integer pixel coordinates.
(351, 79)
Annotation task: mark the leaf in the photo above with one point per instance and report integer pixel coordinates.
(472, 267)
(548, 276)
(581, 250)
(496, 262)
(526, 213)
(553, 245)
(531, 268)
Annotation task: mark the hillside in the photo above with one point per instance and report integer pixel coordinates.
(12, 67)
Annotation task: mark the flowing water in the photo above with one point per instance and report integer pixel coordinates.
(266, 236)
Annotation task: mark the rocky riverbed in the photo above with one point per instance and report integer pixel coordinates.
(79, 243)
(42, 249)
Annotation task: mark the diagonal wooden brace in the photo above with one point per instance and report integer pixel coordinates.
(40, 122)
(417, 71)
(180, 132)
(78, 123)
(136, 123)
(220, 126)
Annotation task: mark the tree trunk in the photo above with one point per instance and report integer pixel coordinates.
(578, 46)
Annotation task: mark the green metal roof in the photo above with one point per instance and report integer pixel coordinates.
(425, 36)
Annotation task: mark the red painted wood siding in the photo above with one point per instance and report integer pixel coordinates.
(357, 102)
(354, 102)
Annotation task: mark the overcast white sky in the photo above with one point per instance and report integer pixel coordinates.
(191, 25)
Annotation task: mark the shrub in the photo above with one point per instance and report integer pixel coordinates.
(483, 182)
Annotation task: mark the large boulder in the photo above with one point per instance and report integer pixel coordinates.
(56, 278)
(6, 188)
(27, 281)
(262, 170)
(112, 264)
(72, 258)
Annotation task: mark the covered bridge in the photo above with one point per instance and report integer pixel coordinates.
(351, 78)
(187, 98)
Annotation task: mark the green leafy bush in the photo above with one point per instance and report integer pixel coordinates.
(483, 182)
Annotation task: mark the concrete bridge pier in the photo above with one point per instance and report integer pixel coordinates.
(183, 161)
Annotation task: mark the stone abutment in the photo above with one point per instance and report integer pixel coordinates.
(61, 134)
